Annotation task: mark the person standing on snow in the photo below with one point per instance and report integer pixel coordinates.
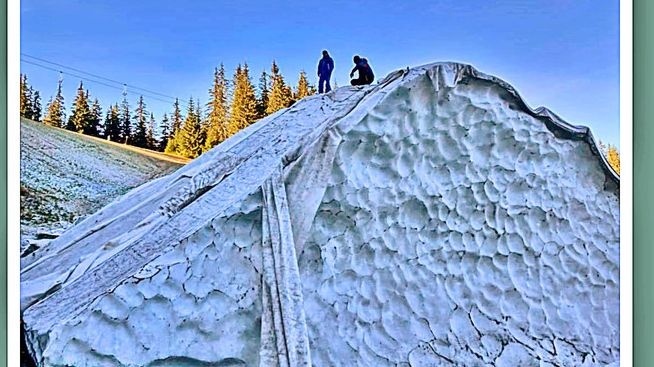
(366, 76)
(325, 68)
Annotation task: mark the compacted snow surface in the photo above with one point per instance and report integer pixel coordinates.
(432, 219)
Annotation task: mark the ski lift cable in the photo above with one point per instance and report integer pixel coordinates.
(96, 76)
(61, 73)
(123, 88)
(98, 82)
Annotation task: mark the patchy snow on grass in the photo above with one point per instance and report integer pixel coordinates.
(66, 176)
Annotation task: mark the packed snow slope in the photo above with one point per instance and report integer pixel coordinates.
(432, 219)
(66, 176)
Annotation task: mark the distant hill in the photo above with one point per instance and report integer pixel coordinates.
(66, 176)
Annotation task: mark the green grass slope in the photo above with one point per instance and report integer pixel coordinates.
(65, 176)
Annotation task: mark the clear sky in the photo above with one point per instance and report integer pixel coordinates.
(561, 54)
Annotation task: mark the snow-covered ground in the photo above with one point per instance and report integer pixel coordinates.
(67, 176)
(432, 219)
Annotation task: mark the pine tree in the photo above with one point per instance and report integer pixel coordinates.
(29, 113)
(613, 156)
(281, 95)
(172, 145)
(30, 103)
(303, 88)
(189, 137)
(125, 122)
(165, 133)
(264, 94)
(49, 113)
(149, 133)
(36, 107)
(203, 125)
(139, 135)
(112, 129)
(94, 126)
(177, 118)
(288, 93)
(56, 109)
(55, 114)
(244, 103)
(80, 113)
(25, 98)
(23, 95)
(217, 130)
(176, 124)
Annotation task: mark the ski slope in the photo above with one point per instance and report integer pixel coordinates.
(66, 176)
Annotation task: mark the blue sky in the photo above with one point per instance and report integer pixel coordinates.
(562, 54)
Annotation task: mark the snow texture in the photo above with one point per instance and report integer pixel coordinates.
(432, 219)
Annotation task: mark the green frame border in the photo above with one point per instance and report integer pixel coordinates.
(643, 207)
(643, 175)
(3, 187)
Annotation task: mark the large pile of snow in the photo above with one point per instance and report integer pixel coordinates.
(432, 219)
(66, 176)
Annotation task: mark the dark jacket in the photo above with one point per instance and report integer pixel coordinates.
(325, 67)
(364, 69)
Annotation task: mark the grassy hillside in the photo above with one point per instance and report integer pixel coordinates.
(66, 176)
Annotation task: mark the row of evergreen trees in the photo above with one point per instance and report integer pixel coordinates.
(233, 105)
(30, 100)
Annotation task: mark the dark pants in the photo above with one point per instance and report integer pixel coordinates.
(361, 81)
(324, 80)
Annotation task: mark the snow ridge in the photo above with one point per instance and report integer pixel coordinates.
(433, 218)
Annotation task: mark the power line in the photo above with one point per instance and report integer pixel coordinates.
(70, 68)
(122, 84)
(121, 87)
(71, 74)
(96, 76)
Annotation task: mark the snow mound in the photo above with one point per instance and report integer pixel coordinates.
(431, 219)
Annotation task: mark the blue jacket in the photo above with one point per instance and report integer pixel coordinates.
(325, 67)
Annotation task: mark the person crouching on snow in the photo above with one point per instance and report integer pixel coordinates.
(366, 76)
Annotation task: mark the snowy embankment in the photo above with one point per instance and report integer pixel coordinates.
(65, 176)
(432, 219)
